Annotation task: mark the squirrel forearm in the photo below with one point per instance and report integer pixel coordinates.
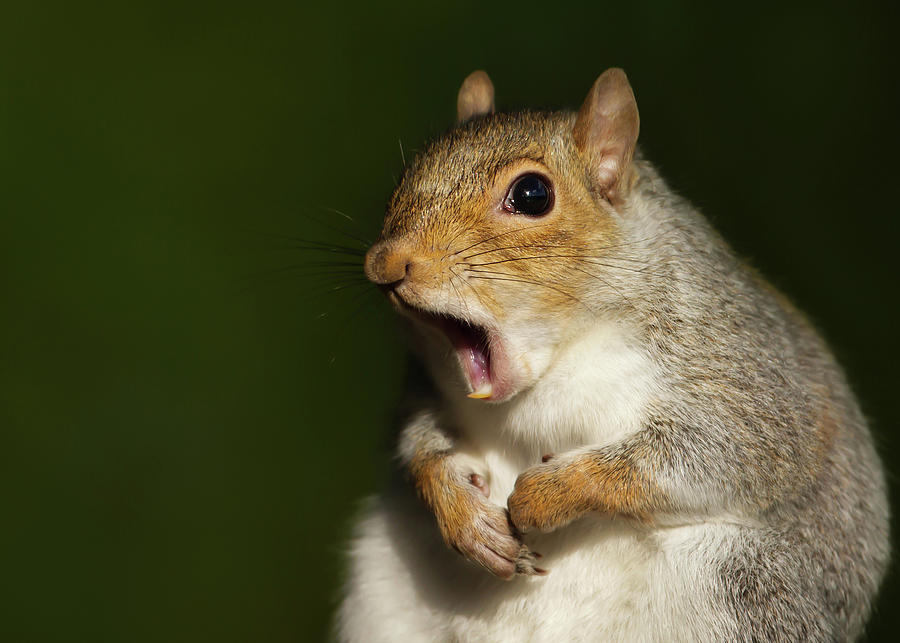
(426, 455)
(667, 468)
(422, 450)
(612, 480)
(422, 438)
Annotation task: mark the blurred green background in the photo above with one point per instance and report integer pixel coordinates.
(183, 435)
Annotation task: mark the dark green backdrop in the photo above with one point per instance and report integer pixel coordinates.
(183, 436)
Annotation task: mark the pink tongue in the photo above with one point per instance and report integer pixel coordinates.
(471, 347)
(479, 371)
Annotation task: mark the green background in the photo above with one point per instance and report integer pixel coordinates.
(183, 435)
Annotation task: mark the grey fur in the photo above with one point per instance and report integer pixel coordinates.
(757, 420)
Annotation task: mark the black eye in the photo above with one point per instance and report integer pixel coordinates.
(530, 194)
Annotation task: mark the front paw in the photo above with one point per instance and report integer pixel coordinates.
(486, 537)
(549, 495)
(481, 531)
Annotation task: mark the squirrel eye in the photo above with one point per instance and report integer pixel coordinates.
(529, 194)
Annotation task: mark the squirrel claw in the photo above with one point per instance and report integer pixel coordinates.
(525, 563)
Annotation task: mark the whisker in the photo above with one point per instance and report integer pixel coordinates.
(459, 295)
(553, 256)
(360, 301)
(521, 247)
(496, 236)
(606, 283)
(613, 246)
(343, 214)
(348, 277)
(465, 282)
(514, 259)
(455, 237)
(365, 242)
(644, 271)
(349, 252)
(327, 277)
(315, 268)
(314, 244)
(589, 259)
(336, 263)
(330, 290)
(536, 283)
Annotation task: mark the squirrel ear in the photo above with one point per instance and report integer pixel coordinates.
(476, 97)
(606, 129)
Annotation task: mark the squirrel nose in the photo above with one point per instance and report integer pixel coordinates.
(387, 264)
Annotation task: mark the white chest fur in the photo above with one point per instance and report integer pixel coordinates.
(608, 580)
(594, 393)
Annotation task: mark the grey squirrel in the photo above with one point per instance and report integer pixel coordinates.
(613, 388)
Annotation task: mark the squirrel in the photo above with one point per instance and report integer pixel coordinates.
(611, 386)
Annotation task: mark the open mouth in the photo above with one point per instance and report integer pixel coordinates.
(472, 344)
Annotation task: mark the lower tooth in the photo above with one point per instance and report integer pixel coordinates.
(483, 391)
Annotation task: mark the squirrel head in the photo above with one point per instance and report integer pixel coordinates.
(495, 238)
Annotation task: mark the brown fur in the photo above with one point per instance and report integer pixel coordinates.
(471, 525)
(551, 495)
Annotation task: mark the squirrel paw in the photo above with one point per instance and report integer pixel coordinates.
(481, 531)
(547, 496)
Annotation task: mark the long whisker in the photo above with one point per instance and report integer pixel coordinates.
(336, 263)
(591, 259)
(349, 252)
(459, 294)
(465, 282)
(536, 283)
(341, 213)
(330, 290)
(348, 276)
(312, 269)
(455, 237)
(605, 282)
(644, 271)
(343, 322)
(313, 244)
(353, 237)
(588, 259)
(613, 246)
(553, 256)
(496, 236)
